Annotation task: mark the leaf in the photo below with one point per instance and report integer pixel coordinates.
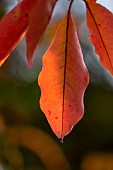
(38, 23)
(90, 0)
(100, 24)
(13, 26)
(63, 80)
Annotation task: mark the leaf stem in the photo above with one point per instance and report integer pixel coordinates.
(70, 6)
(65, 64)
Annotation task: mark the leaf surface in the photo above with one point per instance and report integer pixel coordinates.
(38, 23)
(13, 26)
(90, 0)
(100, 24)
(63, 80)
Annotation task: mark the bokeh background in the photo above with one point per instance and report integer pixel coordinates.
(26, 139)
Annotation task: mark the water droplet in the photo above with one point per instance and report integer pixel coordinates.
(61, 140)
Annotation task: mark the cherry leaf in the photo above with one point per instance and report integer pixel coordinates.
(13, 27)
(38, 23)
(63, 80)
(100, 24)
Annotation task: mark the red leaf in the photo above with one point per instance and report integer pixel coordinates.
(13, 26)
(63, 80)
(38, 22)
(100, 24)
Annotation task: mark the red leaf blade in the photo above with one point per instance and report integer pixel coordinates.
(38, 23)
(63, 80)
(13, 27)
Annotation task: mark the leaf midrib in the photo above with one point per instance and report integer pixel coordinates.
(65, 64)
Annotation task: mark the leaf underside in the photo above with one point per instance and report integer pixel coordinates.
(100, 24)
(30, 17)
(63, 80)
(39, 20)
(13, 27)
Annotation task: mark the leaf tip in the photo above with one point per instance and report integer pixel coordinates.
(61, 140)
(29, 59)
(3, 60)
(29, 64)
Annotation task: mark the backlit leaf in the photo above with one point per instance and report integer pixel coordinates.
(90, 0)
(100, 24)
(63, 80)
(13, 26)
(38, 23)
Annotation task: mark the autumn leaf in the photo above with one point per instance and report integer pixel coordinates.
(100, 24)
(63, 80)
(13, 26)
(90, 0)
(38, 23)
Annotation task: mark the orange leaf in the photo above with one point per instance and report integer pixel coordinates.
(63, 80)
(13, 26)
(38, 23)
(100, 24)
(90, 0)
